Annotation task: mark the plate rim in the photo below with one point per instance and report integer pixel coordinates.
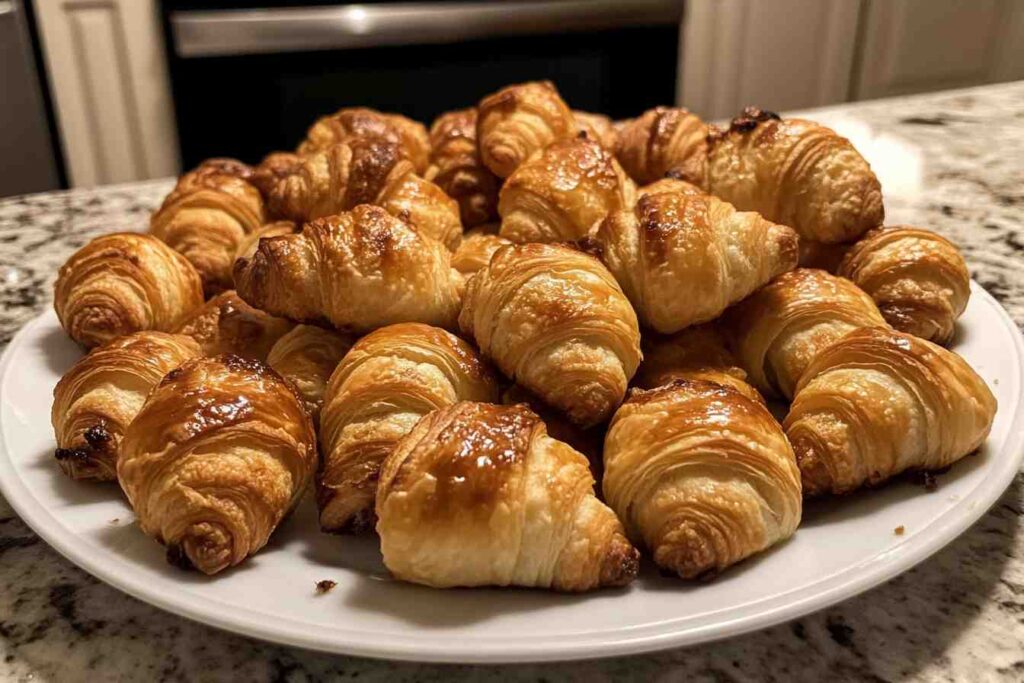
(942, 531)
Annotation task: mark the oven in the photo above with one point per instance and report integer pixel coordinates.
(251, 76)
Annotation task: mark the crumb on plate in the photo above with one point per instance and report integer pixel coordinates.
(325, 586)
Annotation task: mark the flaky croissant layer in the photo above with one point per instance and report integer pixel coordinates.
(480, 495)
(701, 474)
(226, 324)
(519, 120)
(221, 451)
(456, 168)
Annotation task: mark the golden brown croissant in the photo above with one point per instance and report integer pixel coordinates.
(358, 270)
(387, 381)
(207, 215)
(247, 247)
(456, 168)
(342, 176)
(586, 441)
(123, 283)
(797, 173)
(100, 395)
(822, 256)
(701, 474)
(698, 352)
(480, 495)
(306, 357)
(554, 320)
(221, 451)
(683, 258)
(598, 128)
(361, 123)
(519, 120)
(226, 324)
(475, 251)
(669, 184)
(777, 331)
(562, 192)
(663, 140)
(918, 279)
(879, 402)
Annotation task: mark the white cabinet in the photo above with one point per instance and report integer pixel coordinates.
(108, 80)
(922, 45)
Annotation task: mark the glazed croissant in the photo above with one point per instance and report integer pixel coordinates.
(598, 128)
(456, 168)
(247, 247)
(123, 283)
(96, 399)
(207, 215)
(358, 270)
(797, 173)
(554, 320)
(306, 357)
(683, 258)
(226, 324)
(701, 474)
(918, 279)
(586, 441)
(663, 140)
(480, 495)
(879, 402)
(387, 381)
(699, 352)
(342, 176)
(475, 251)
(562, 192)
(221, 451)
(361, 123)
(777, 331)
(519, 120)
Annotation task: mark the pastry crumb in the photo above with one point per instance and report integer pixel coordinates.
(899, 530)
(115, 520)
(325, 586)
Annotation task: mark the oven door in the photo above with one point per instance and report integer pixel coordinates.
(247, 81)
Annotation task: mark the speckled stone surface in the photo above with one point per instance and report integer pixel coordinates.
(950, 161)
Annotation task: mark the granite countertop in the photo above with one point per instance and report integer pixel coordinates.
(949, 161)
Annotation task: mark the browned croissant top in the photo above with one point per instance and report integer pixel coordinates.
(661, 140)
(351, 123)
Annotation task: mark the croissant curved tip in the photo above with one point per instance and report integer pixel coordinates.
(204, 546)
(622, 563)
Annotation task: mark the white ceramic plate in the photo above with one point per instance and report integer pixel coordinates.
(843, 547)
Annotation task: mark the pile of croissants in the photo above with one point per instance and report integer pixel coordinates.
(440, 331)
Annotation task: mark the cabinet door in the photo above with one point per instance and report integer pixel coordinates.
(108, 78)
(922, 45)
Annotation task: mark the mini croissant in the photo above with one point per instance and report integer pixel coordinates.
(247, 247)
(554, 320)
(475, 251)
(342, 176)
(519, 120)
(385, 383)
(702, 475)
(778, 330)
(306, 356)
(663, 140)
(670, 184)
(358, 270)
(206, 217)
(456, 168)
(880, 402)
(361, 123)
(94, 402)
(226, 324)
(796, 173)
(918, 279)
(699, 352)
(562, 192)
(123, 283)
(480, 495)
(597, 127)
(221, 451)
(683, 258)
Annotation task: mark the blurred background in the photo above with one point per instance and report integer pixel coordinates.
(109, 91)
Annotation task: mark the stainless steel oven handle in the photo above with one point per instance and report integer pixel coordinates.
(202, 33)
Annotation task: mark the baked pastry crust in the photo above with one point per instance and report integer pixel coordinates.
(880, 402)
(306, 356)
(475, 251)
(519, 120)
(221, 451)
(123, 283)
(361, 123)
(480, 495)
(554, 320)
(384, 384)
(456, 168)
(664, 140)
(701, 475)
(598, 128)
(226, 324)
(96, 400)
